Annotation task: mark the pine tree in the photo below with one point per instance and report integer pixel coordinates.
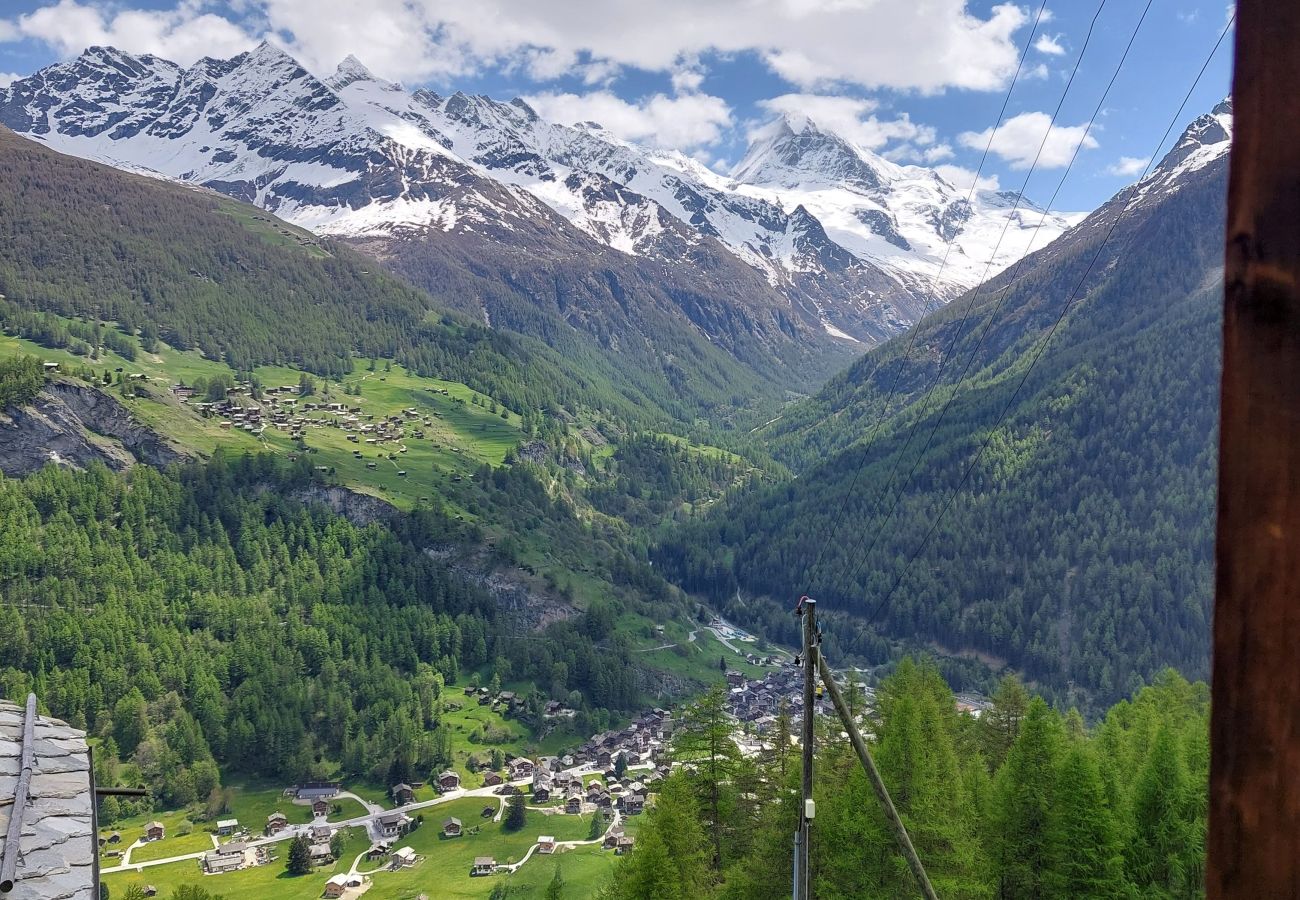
(669, 862)
(1024, 796)
(917, 757)
(1162, 851)
(704, 741)
(555, 889)
(1088, 863)
(299, 861)
(516, 815)
(648, 874)
(1000, 724)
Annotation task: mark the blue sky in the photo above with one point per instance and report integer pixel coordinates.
(915, 80)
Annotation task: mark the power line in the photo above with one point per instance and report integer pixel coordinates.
(988, 322)
(943, 264)
(1073, 296)
(974, 292)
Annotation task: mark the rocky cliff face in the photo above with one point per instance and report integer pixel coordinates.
(76, 425)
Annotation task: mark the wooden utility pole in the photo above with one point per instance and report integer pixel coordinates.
(802, 882)
(1254, 839)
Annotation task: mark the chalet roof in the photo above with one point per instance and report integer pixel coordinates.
(57, 846)
(451, 820)
(485, 861)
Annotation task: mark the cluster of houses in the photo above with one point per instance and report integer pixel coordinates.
(624, 794)
(757, 703)
(646, 739)
(285, 409)
(509, 702)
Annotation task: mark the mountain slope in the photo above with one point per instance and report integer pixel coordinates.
(751, 264)
(1080, 548)
(205, 272)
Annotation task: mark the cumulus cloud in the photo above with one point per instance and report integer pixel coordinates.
(852, 118)
(921, 45)
(962, 178)
(688, 78)
(8, 78)
(1050, 45)
(1128, 166)
(683, 122)
(1018, 140)
(183, 34)
(937, 153)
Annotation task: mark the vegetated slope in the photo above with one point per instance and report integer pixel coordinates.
(205, 613)
(1080, 547)
(205, 272)
(261, 128)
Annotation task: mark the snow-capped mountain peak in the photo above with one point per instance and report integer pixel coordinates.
(854, 241)
(1203, 141)
(793, 151)
(905, 219)
(352, 70)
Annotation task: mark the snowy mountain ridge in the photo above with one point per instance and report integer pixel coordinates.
(855, 243)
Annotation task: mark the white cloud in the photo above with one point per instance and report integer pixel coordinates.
(183, 34)
(8, 78)
(8, 31)
(1019, 138)
(937, 153)
(681, 122)
(851, 118)
(961, 178)
(547, 65)
(602, 72)
(922, 45)
(1050, 45)
(1128, 166)
(687, 80)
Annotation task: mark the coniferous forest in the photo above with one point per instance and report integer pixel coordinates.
(1022, 802)
(201, 620)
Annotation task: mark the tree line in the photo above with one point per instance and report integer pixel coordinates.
(1022, 803)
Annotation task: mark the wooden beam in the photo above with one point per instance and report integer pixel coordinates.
(1254, 839)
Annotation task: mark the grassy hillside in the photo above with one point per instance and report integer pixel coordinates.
(201, 271)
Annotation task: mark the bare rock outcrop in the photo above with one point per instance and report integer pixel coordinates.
(74, 424)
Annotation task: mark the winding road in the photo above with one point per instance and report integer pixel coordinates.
(367, 821)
